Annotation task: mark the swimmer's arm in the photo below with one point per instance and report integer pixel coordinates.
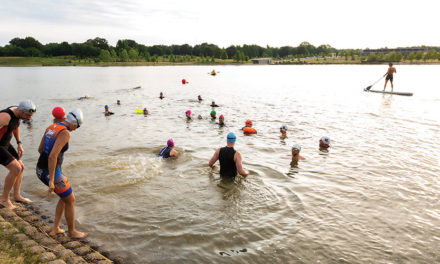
(174, 153)
(40, 148)
(62, 139)
(239, 165)
(214, 158)
(4, 119)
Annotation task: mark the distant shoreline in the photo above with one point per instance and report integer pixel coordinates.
(66, 61)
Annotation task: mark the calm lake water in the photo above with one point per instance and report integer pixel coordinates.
(373, 198)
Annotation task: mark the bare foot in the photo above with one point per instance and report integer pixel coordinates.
(76, 234)
(8, 204)
(21, 199)
(56, 232)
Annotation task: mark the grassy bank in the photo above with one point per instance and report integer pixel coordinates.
(162, 61)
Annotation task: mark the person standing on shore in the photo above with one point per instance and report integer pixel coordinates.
(9, 157)
(389, 76)
(54, 143)
(230, 159)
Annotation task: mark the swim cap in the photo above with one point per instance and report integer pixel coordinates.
(75, 117)
(297, 147)
(27, 107)
(325, 140)
(283, 127)
(58, 112)
(221, 116)
(188, 112)
(231, 137)
(106, 106)
(170, 143)
(213, 112)
(248, 122)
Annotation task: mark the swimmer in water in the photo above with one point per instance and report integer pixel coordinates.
(168, 151)
(213, 115)
(118, 102)
(324, 143)
(161, 96)
(199, 98)
(200, 117)
(84, 97)
(230, 159)
(295, 154)
(188, 114)
(221, 121)
(283, 130)
(107, 112)
(58, 114)
(145, 111)
(213, 104)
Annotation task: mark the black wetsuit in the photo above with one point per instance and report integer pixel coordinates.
(165, 152)
(7, 152)
(227, 163)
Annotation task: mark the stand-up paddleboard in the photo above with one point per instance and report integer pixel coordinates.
(388, 92)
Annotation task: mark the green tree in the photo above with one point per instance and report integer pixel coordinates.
(224, 55)
(123, 56)
(411, 56)
(419, 55)
(372, 57)
(105, 56)
(133, 54)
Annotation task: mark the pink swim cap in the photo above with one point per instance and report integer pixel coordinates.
(188, 112)
(58, 112)
(170, 143)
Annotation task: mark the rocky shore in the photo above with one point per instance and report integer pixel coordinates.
(30, 232)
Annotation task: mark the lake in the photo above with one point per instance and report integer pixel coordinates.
(372, 198)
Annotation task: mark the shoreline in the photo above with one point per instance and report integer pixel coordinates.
(25, 231)
(69, 62)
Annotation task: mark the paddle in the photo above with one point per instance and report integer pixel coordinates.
(369, 87)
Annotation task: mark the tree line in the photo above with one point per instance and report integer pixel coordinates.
(125, 50)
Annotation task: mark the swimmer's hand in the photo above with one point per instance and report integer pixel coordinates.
(51, 187)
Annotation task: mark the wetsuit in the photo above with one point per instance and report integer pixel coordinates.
(62, 185)
(7, 151)
(165, 152)
(227, 163)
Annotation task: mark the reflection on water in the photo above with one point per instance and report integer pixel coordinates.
(372, 198)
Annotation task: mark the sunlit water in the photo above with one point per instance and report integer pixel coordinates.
(373, 198)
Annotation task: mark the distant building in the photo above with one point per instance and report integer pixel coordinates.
(262, 61)
(402, 51)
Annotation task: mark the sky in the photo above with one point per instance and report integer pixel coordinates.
(339, 23)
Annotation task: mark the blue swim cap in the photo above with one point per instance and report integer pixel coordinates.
(231, 137)
(106, 106)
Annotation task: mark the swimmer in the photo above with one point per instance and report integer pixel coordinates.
(199, 98)
(107, 112)
(168, 151)
(118, 102)
(54, 143)
(221, 121)
(213, 104)
(188, 114)
(200, 117)
(145, 111)
(230, 159)
(84, 97)
(283, 130)
(324, 143)
(295, 154)
(248, 129)
(9, 156)
(161, 96)
(213, 115)
(58, 114)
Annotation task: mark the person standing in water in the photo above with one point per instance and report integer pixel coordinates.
(54, 143)
(295, 154)
(389, 76)
(161, 96)
(9, 157)
(221, 121)
(230, 159)
(58, 114)
(168, 151)
(283, 130)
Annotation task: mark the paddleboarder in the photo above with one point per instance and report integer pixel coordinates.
(389, 76)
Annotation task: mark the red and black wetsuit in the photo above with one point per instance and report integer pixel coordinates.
(7, 152)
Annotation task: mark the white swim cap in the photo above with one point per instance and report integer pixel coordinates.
(283, 127)
(27, 107)
(297, 147)
(325, 140)
(75, 117)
